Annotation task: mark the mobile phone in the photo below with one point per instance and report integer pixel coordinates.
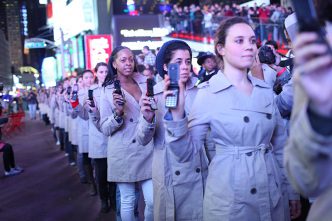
(68, 90)
(150, 93)
(173, 73)
(308, 20)
(90, 95)
(117, 90)
(74, 94)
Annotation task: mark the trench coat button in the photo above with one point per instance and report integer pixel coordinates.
(134, 141)
(246, 119)
(249, 154)
(177, 173)
(269, 116)
(131, 120)
(198, 170)
(253, 191)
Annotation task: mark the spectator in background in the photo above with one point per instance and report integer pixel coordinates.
(32, 104)
(264, 15)
(198, 18)
(208, 64)
(8, 160)
(149, 57)
(208, 22)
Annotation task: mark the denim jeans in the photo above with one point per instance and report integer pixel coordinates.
(118, 203)
(127, 192)
(32, 110)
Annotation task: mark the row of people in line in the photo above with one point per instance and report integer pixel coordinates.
(218, 155)
(166, 150)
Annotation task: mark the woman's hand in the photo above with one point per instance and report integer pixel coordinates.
(313, 65)
(146, 110)
(178, 112)
(119, 103)
(295, 208)
(88, 105)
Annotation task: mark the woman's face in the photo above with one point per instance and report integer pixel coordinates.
(240, 47)
(101, 73)
(88, 79)
(80, 83)
(124, 62)
(182, 57)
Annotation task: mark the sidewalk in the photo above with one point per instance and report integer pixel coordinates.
(48, 189)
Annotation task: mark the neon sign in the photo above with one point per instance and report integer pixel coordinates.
(155, 32)
(98, 49)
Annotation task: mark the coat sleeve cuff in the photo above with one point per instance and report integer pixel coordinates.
(308, 131)
(176, 129)
(146, 125)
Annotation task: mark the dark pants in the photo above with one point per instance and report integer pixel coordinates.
(8, 157)
(62, 138)
(106, 189)
(46, 119)
(88, 168)
(69, 148)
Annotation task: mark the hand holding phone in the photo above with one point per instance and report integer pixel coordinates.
(313, 58)
(150, 93)
(74, 93)
(171, 101)
(117, 90)
(90, 95)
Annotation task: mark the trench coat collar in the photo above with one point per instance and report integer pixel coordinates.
(94, 87)
(220, 82)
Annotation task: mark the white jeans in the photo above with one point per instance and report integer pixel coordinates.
(127, 192)
(32, 110)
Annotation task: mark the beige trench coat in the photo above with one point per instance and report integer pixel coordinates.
(178, 187)
(245, 179)
(308, 160)
(127, 160)
(82, 123)
(97, 140)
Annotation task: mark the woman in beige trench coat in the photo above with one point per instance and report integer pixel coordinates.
(178, 187)
(245, 179)
(127, 160)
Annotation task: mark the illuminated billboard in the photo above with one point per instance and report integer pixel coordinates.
(136, 32)
(49, 71)
(98, 48)
(73, 18)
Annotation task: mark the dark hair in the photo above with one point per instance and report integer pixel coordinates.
(146, 47)
(86, 71)
(272, 43)
(112, 73)
(324, 8)
(140, 68)
(98, 65)
(169, 52)
(222, 31)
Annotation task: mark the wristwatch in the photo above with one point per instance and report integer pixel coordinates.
(117, 118)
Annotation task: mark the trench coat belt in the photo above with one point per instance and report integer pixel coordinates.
(237, 150)
(260, 182)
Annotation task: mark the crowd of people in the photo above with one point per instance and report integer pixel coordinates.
(209, 146)
(266, 20)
